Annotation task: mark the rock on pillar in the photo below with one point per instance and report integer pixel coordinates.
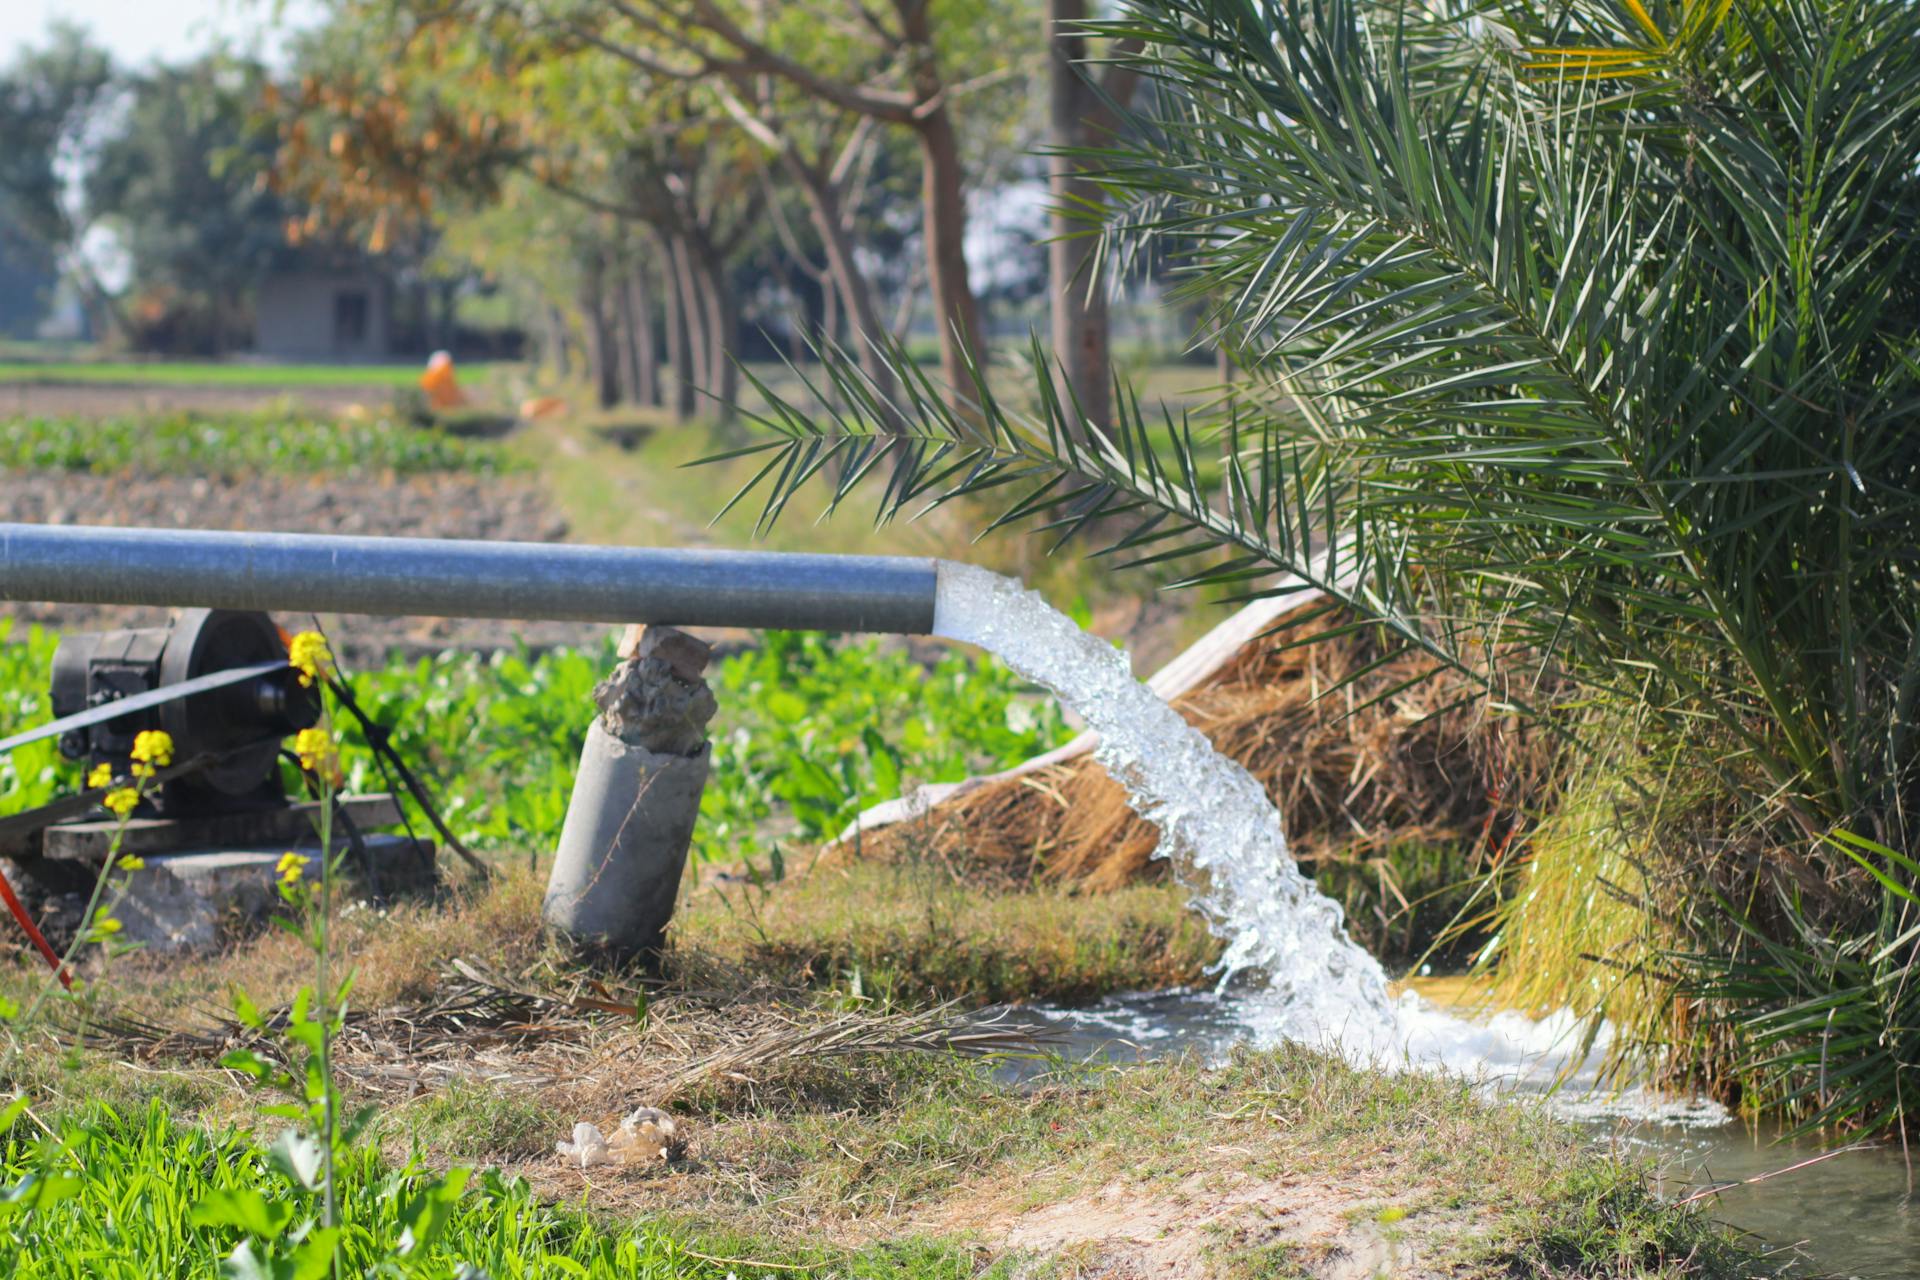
(635, 799)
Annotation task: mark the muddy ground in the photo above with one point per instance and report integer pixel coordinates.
(436, 505)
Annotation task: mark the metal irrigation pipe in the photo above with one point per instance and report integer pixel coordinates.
(65, 564)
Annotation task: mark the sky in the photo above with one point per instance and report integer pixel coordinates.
(138, 31)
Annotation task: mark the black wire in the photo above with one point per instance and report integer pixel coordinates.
(379, 737)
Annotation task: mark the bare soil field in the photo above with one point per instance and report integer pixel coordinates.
(103, 399)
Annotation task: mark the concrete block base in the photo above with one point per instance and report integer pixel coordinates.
(203, 898)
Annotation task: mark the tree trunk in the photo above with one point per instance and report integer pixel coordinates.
(957, 313)
(557, 346)
(646, 350)
(625, 343)
(722, 314)
(603, 356)
(447, 316)
(848, 280)
(693, 347)
(674, 316)
(830, 313)
(1078, 116)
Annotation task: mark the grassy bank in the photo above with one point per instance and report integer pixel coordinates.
(1321, 1167)
(913, 933)
(890, 1161)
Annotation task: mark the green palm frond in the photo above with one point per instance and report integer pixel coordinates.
(1615, 371)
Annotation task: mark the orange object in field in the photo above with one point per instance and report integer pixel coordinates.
(443, 391)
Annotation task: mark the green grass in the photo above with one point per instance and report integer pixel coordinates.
(209, 373)
(199, 444)
(915, 933)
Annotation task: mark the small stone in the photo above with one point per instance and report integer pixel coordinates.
(647, 1136)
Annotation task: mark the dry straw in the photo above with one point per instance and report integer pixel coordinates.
(1359, 754)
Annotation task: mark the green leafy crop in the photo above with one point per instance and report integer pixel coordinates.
(205, 445)
(810, 731)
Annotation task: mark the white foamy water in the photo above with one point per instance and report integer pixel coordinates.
(1217, 828)
(1289, 970)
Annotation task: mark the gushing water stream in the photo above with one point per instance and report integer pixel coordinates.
(1296, 973)
(1217, 828)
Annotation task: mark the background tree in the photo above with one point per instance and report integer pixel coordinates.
(181, 178)
(905, 64)
(51, 100)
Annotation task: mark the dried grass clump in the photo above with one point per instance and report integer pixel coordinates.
(1359, 753)
(595, 1050)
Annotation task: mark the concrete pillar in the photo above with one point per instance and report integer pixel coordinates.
(635, 799)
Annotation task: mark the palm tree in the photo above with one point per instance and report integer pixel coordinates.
(1583, 340)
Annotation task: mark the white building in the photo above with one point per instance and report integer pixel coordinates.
(337, 316)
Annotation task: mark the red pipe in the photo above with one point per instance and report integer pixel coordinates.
(33, 930)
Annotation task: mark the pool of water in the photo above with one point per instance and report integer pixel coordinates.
(1851, 1215)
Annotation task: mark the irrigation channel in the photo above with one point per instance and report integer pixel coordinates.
(1289, 970)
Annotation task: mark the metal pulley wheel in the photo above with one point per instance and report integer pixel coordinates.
(216, 680)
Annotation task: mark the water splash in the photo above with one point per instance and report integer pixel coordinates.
(1218, 830)
(1293, 972)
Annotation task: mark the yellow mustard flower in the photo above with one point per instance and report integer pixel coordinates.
(101, 776)
(291, 867)
(152, 750)
(132, 863)
(318, 753)
(121, 800)
(309, 655)
(106, 924)
(153, 746)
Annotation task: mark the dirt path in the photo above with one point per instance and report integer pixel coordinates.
(1329, 1229)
